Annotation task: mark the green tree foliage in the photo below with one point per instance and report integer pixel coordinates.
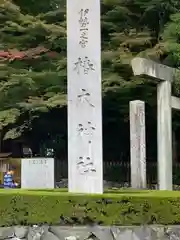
(33, 66)
(171, 38)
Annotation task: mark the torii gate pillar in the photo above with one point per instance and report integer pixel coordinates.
(164, 76)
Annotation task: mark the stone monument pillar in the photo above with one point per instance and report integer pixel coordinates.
(85, 169)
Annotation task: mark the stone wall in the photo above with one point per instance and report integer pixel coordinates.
(91, 233)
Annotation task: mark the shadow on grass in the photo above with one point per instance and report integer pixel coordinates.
(109, 191)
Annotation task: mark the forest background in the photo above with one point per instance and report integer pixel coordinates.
(33, 77)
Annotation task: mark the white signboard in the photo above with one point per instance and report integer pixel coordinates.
(84, 97)
(37, 173)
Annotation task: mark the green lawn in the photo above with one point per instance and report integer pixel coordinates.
(114, 207)
(107, 193)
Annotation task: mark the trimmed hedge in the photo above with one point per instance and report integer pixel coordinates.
(20, 207)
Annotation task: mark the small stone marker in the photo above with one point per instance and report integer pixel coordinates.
(37, 173)
(138, 144)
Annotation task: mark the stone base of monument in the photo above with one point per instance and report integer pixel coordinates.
(92, 233)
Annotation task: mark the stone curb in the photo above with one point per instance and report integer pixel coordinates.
(92, 233)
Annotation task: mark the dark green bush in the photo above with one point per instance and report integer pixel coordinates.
(59, 208)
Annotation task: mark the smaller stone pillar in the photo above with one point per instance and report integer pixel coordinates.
(138, 144)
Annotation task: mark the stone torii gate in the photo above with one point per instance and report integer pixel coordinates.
(164, 76)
